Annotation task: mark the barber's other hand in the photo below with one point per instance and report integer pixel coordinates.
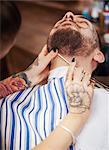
(39, 69)
(80, 93)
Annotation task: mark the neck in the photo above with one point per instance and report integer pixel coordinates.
(82, 62)
(59, 62)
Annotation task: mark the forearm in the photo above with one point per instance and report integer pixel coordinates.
(60, 138)
(35, 74)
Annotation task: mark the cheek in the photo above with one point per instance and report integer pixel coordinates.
(52, 31)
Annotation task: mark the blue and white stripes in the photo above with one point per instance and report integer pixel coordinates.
(28, 117)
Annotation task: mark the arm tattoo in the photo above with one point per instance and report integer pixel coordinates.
(79, 98)
(13, 84)
(16, 82)
(23, 76)
(77, 103)
(35, 63)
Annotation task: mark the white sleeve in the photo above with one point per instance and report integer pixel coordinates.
(95, 134)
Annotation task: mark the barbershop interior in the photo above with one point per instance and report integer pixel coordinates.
(38, 18)
(54, 74)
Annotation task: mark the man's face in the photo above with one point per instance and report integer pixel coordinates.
(81, 25)
(75, 22)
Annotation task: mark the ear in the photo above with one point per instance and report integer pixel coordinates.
(99, 56)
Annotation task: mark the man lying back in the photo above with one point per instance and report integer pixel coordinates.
(28, 117)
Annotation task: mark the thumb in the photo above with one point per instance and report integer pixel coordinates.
(44, 51)
(50, 56)
(47, 59)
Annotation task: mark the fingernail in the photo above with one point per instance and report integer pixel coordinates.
(73, 60)
(93, 81)
(92, 84)
(55, 49)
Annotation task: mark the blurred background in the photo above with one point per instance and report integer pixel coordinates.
(38, 17)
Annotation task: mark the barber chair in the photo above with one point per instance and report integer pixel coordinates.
(103, 69)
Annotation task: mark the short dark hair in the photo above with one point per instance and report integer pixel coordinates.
(10, 22)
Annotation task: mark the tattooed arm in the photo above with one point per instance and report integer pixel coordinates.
(71, 125)
(33, 75)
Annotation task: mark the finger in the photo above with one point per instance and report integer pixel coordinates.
(42, 54)
(70, 71)
(86, 78)
(78, 74)
(44, 51)
(90, 90)
(51, 55)
(47, 59)
(92, 83)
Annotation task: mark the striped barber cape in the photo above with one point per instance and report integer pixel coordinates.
(28, 117)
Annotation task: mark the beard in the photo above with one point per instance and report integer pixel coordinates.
(67, 41)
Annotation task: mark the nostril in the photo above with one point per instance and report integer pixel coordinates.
(69, 17)
(66, 16)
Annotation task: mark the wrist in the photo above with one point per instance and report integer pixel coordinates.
(73, 122)
(73, 138)
(23, 75)
(33, 74)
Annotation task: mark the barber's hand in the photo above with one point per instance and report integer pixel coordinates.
(39, 69)
(79, 90)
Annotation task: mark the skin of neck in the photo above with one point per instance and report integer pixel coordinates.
(86, 63)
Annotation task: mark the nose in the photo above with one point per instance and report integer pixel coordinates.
(69, 16)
